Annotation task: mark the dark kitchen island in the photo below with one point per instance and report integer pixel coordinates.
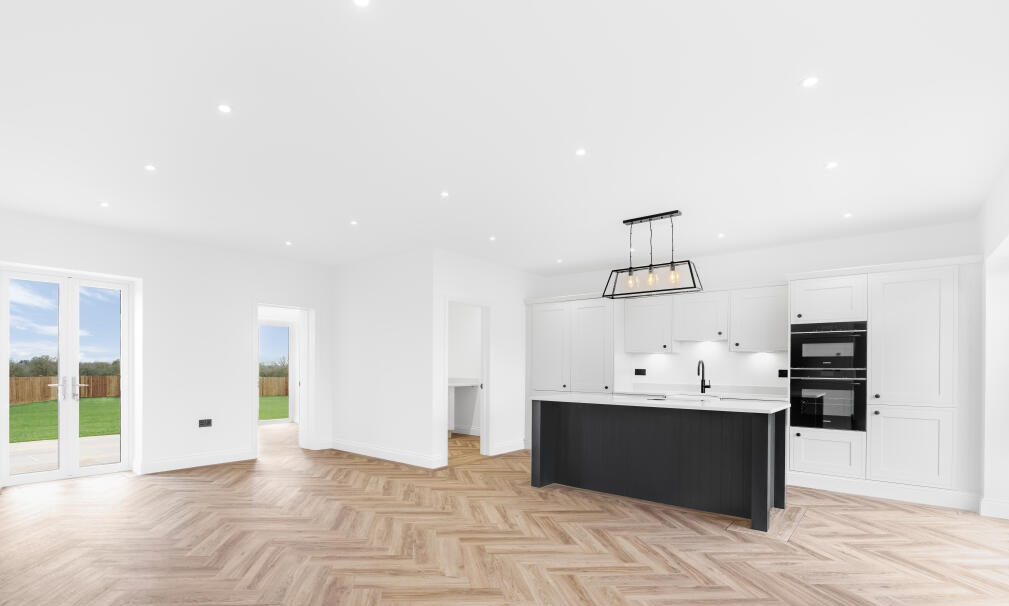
(719, 455)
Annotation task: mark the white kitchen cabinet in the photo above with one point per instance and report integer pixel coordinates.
(911, 445)
(758, 319)
(549, 347)
(701, 317)
(648, 324)
(834, 299)
(591, 345)
(828, 451)
(911, 337)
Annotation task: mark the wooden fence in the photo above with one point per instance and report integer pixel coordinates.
(24, 390)
(273, 386)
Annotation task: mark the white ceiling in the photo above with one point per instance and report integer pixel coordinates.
(344, 113)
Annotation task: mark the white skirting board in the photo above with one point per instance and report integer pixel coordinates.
(941, 497)
(199, 460)
(416, 459)
(507, 446)
(995, 508)
(469, 431)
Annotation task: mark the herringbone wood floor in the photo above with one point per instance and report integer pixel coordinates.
(302, 527)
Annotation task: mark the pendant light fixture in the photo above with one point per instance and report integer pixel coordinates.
(652, 279)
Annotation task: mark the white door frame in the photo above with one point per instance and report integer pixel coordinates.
(69, 342)
(301, 367)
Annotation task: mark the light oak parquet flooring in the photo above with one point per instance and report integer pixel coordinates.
(327, 527)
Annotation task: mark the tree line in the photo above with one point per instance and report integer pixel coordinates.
(47, 366)
(273, 369)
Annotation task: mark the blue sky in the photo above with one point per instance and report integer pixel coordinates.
(273, 343)
(34, 321)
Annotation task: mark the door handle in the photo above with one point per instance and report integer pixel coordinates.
(77, 390)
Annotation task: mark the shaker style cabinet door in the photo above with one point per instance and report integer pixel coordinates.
(592, 345)
(549, 335)
(911, 445)
(827, 451)
(836, 299)
(648, 324)
(701, 317)
(758, 319)
(911, 337)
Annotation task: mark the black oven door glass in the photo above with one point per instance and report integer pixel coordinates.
(841, 350)
(830, 404)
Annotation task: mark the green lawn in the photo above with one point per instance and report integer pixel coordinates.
(37, 421)
(99, 417)
(272, 407)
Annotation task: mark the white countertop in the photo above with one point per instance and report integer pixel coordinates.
(762, 405)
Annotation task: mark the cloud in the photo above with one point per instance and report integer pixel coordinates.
(20, 323)
(25, 350)
(99, 294)
(23, 296)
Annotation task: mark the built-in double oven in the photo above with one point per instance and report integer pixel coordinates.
(828, 375)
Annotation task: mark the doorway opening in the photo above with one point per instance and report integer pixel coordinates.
(282, 355)
(66, 396)
(467, 379)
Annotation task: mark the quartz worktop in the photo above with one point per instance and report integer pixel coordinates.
(759, 404)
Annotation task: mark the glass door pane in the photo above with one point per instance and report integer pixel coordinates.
(99, 404)
(34, 373)
(274, 354)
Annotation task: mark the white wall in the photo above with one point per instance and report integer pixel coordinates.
(198, 316)
(465, 357)
(502, 291)
(772, 265)
(385, 361)
(994, 216)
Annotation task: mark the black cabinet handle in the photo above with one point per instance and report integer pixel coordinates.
(798, 435)
(876, 396)
(798, 315)
(875, 412)
(563, 385)
(737, 344)
(719, 333)
(664, 346)
(606, 386)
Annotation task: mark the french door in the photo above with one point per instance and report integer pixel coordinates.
(67, 387)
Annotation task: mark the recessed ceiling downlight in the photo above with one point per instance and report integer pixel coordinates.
(444, 194)
(103, 204)
(847, 215)
(362, 3)
(150, 168)
(720, 236)
(353, 222)
(810, 82)
(288, 243)
(224, 108)
(832, 165)
(581, 152)
(492, 238)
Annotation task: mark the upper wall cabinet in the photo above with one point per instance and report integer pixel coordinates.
(648, 324)
(549, 369)
(591, 345)
(701, 316)
(839, 299)
(758, 319)
(911, 337)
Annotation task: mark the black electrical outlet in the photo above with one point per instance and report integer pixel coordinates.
(206, 422)
(783, 373)
(639, 372)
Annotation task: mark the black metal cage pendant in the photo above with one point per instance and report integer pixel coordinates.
(654, 278)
